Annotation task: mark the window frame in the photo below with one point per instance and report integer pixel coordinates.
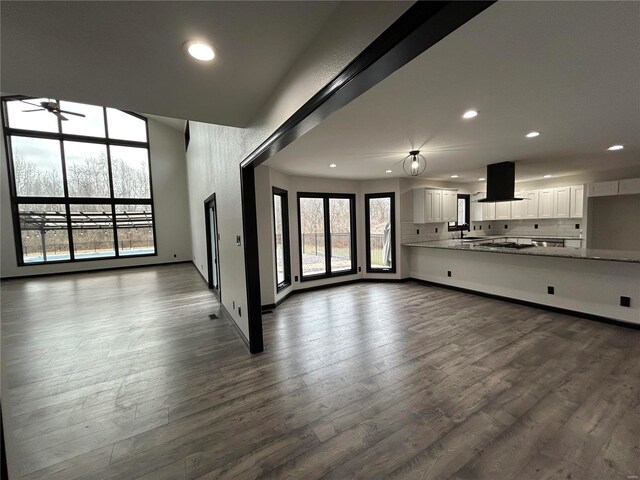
(66, 200)
(286, 247)
(367, 228)
(465, 226)
(327, 235)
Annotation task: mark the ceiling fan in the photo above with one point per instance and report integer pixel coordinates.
(52, 107)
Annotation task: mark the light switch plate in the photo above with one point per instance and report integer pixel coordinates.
(238, 241)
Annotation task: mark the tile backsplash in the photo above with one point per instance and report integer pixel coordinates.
(558, 227)
(409, 232)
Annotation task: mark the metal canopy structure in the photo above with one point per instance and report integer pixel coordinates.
(47, 221)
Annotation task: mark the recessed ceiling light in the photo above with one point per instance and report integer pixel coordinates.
(470, 114)
(613, 148)
(200, 51)
(387, 171)
(533, 134)
(333, 165)
(481, 179)
(455, 176)
(546, 176)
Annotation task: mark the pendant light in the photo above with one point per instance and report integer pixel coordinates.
(415, 164)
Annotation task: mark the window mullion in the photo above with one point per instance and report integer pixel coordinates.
(327, 236)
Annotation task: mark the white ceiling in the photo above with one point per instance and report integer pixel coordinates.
(130, 55)
(570, 70)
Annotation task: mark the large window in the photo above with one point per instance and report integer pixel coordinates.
(380, 232)
(281, 238)
(80, 181)
(463, 214)
(327, 234)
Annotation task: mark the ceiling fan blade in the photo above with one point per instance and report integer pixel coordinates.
(34, 110)
(60, 116)
(32, 104)
(72, 113)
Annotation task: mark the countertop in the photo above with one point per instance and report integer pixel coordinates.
(630, 256)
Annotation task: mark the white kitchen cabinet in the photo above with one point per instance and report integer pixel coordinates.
(545, 203)
(419, 212)
(603, 189)
(629, 186)
(449, 206)
(488, 211)
(577, 200)
(517, 207)
(503, 211)
(561, 202)
(531, 203)
(476, 208)
(433, 201)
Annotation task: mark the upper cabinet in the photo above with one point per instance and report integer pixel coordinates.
(630, 186)
(518, 207)
(434, 206)
(577, 201)
(561, 202)
(449, 206)
(531, 203)
(476, 207)
(545, 203)
(602, 189)
(503, 210)
(488, 211)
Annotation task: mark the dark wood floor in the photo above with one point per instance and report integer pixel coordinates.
(123, 375)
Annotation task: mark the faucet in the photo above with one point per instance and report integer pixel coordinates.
(461, 234)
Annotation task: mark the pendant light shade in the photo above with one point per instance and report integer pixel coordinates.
(415, 164)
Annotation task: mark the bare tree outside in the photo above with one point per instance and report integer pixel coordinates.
(379, 232)
(38, 172)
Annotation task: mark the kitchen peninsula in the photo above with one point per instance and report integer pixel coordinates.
(601, 283)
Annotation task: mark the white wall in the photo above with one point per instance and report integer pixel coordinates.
(168, 174)
(614, 222)
(216, 151)
(266, 178)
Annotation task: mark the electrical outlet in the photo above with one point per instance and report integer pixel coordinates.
(436, 230)
(449, 273)
(551, 290)
(296, 278)
(577, 226)
(625, 301)
(489, 227)
(535, 226)
(359, 269)
(238, 241)
(239, 311)
(234, 304)
(506, 226)
(417, 231)
(174, 255)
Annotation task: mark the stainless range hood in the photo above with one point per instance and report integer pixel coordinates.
(501, 183)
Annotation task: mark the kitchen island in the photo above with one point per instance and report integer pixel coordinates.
(598, 283)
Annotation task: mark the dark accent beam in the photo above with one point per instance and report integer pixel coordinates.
(423, 25)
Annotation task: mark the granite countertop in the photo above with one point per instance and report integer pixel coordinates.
(630, 256)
